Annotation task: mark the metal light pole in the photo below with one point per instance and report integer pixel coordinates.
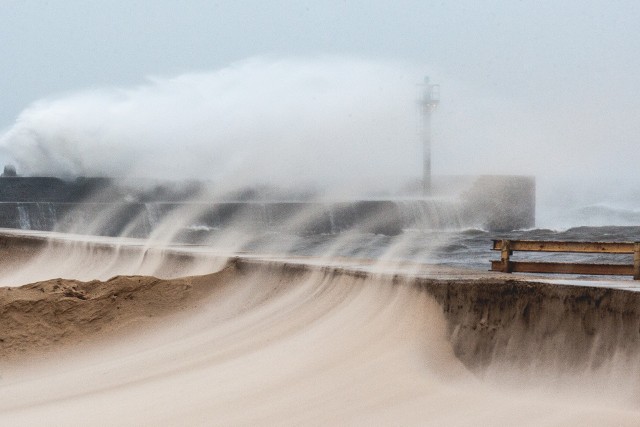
(430, 102)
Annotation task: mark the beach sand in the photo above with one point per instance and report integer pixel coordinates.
(272, 343)
(45, 316)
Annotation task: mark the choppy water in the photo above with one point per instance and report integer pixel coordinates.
(469, 248)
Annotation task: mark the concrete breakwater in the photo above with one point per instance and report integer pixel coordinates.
(99, 206)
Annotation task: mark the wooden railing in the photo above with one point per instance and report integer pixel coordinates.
(506, 265)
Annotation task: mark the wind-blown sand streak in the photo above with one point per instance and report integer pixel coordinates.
(276, 343)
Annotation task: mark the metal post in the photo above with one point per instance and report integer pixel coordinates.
(426, 160)
(429, 104)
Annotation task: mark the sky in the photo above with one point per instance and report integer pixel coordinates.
(512, 49)
(549, 80)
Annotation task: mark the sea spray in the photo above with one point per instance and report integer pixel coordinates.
(325, 121)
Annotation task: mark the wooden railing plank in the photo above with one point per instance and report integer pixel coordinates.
(559, 246)
(506, 265)
(565, 268)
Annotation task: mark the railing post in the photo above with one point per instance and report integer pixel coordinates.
(504, 256)
(636, 261)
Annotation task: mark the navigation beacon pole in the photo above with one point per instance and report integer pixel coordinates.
(430, 102)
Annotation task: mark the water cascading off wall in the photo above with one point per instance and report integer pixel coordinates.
(388, 217)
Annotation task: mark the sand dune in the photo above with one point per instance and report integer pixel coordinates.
(43, 316)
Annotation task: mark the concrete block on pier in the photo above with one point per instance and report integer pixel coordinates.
(501, 202)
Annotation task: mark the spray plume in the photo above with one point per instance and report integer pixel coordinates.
(322, 120)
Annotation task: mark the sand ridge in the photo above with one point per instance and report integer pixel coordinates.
(48, 315)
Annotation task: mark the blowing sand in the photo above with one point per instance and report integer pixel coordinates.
(268, 343)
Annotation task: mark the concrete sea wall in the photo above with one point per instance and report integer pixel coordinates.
(99, 206)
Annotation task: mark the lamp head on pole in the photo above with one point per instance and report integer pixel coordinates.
(431, 97)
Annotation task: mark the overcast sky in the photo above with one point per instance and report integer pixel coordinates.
(546, 50)
(534, 87)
